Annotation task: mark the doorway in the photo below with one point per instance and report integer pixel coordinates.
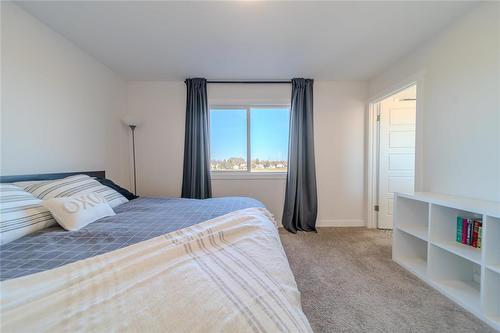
(395, 150)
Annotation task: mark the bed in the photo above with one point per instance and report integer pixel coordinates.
(159, 264)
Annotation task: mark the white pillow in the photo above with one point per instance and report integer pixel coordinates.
(74, 213)
(73, 186)
(20, 213)
(25, 183)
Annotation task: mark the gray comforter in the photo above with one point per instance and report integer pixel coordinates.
(135, 221)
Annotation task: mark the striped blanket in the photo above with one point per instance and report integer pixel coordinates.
(228, 274)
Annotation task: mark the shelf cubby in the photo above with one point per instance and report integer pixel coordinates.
(410, 252)
(413, 217)
(443, 232)
(460, 278)
(425, 243)
(491, 243)
(491, 300)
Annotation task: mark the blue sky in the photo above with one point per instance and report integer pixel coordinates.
(269, 133)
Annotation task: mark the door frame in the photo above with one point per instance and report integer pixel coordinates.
(372, 173)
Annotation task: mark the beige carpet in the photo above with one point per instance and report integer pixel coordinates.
(349, 284)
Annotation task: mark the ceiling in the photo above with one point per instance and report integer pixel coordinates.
(158, 40)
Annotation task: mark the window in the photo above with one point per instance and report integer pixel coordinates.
(249, 139)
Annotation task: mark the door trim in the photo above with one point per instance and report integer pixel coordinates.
(372, 176)
(373, 144)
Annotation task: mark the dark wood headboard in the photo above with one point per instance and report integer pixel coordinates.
(50, 176)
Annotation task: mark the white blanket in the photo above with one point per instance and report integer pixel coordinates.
(229, 274)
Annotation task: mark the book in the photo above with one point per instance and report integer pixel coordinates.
(479, 236)
(475, 233)
(459, 229)
(469, 231)
(464, 230)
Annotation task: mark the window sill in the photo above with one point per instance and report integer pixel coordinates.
(247, 175)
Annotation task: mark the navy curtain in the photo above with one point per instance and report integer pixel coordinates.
(196, 182)
(301, 203)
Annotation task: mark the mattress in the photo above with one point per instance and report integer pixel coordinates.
(136, 221)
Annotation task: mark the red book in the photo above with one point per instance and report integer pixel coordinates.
(464, 231)
(475, 233)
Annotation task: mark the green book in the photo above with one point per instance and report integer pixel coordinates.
(459, 229)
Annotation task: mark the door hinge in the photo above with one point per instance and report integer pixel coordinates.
(376, 208)
(378, 117)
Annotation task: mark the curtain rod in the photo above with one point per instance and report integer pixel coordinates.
(251, 82)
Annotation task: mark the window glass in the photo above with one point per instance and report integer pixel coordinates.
(228, 139)
(269, 129)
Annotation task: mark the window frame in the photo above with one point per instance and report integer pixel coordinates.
(248, 173)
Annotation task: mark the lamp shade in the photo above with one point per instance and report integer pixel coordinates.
(130, 120)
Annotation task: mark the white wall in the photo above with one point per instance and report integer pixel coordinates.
(339, 109)
(160, 107)
(460, 124)
(60, 107)
(339, 138)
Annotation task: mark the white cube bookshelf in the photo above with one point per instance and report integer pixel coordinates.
(424, 242)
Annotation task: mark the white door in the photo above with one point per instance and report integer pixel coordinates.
(397, 150)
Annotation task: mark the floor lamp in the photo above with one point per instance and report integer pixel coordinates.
(132, 123)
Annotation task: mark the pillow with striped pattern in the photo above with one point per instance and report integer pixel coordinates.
(74, 186)
(21, 214)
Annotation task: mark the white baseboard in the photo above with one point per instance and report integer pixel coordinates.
(340, 223)
(336, 223)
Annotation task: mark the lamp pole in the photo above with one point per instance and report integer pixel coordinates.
(132, 128)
